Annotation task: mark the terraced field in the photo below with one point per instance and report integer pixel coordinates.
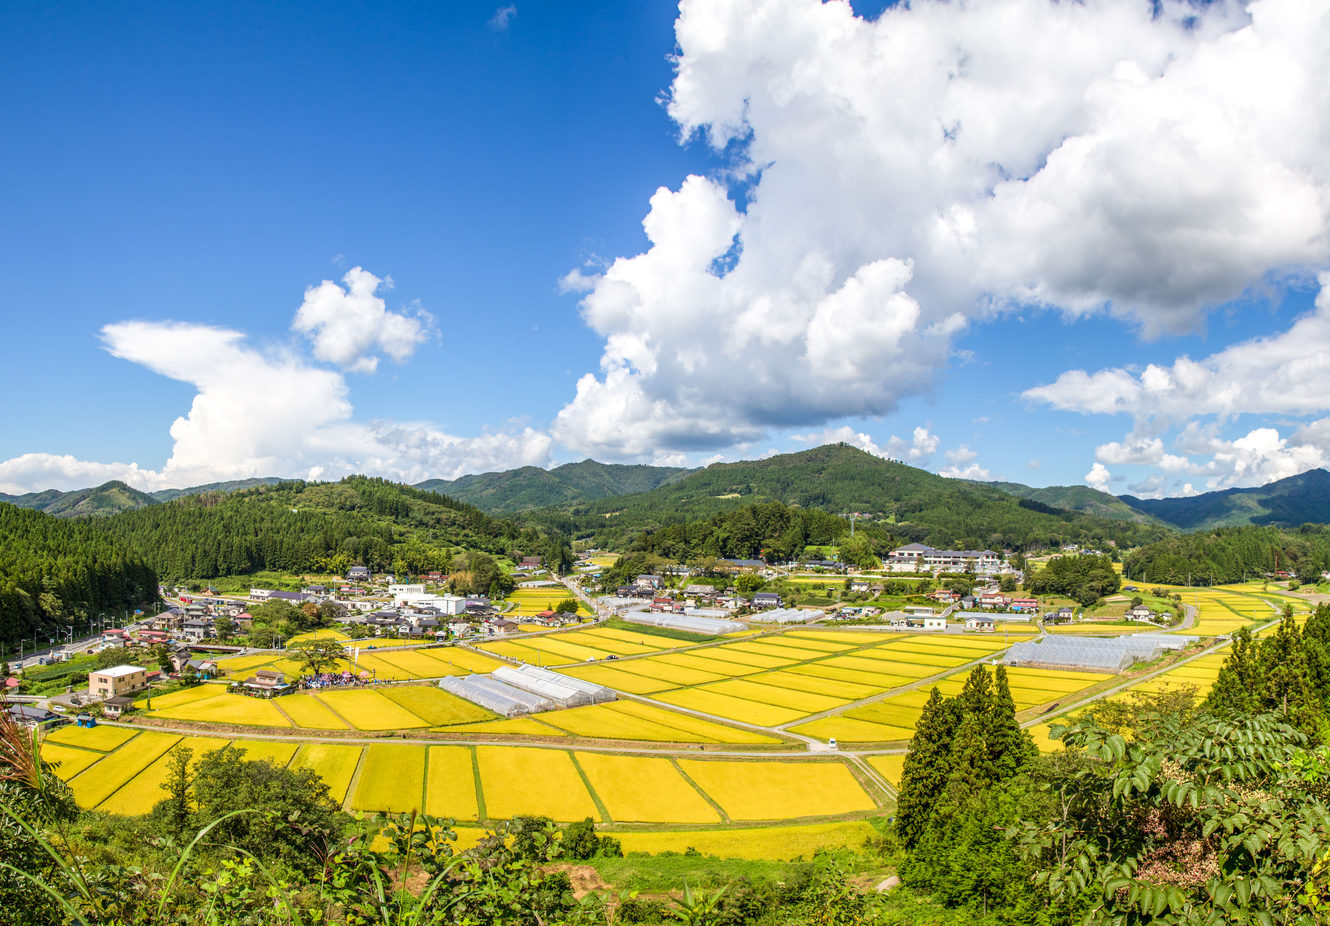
(484, 782)
(569, 647)
(387, 708)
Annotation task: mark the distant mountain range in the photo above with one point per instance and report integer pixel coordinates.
(836, 478)
(1301, 499)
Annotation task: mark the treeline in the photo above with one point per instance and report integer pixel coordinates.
(770, 531)
(303, 527)
(1232, 554)
(56, 574)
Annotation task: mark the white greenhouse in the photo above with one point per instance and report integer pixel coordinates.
(1070, 656)
(789, 616)
(494, 695)
(596, 694)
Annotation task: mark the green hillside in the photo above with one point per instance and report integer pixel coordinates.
(313, 527)
(532, 487)
(911, 503)
(1078, 498)
(1300, 499)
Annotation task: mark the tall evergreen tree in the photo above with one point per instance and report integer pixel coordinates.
(926, 768)
(1009, 747)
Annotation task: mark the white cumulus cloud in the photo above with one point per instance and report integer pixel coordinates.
(346, 323)
(1098, 477)
(904, 176)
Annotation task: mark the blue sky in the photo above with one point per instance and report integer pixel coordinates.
(970, 264)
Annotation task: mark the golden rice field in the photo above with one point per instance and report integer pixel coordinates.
(531, 601)
(568, 647)
(484, 782)
(395, 707)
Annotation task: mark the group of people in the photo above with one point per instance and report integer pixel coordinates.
(344, 679)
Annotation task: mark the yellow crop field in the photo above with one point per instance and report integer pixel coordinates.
(802, 701)
(523, 653)
(101, 737)
(619, 679)
(227, 708)
(326, 633)
(644, 789)
(465, 661)
(1039, 733)
(450, 789)
(727, 652)
(695, 660)
(186, 695)
(524, 780)
(435, 706)
(69, 760)
(1053, 679)
(778, 790)
(884, 666)
(275, 751)
(417, 663)
(103, 779)
(663, 671)
(689, 724)
(334, 763)
(889, 767)
(853, 730)
(628, 636)
(812, 641)
(378, 667)
(368, 709)
(598, 721)
(392, 778)
(140, 793)
(762, 647)
(845, 691)
(306, 711)
(770, 842)
(719, 705)
(876, 680)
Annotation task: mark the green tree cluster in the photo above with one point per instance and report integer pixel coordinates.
(1232, 554)
(1086, 577)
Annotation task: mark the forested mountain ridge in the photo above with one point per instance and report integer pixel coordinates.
(1078, 498)
(532, 487)
(1300, 499)
(305, 527)
(107, 498)
(56, 573)
(912, 504)
(233, 485)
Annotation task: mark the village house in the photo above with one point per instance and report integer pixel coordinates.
(649, 581)
(119, 680)
(266, 683)
(358, 574)
(918, 557)
(1140, 613)
(982, 624)
(1024, 604)
(766, 600)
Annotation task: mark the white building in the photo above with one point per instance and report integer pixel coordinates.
(916, 557)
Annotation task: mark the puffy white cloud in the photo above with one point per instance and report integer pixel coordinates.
(1098, 477)
(1142, 450)
(273, 413)
(906, 175)
(344, 324)
(1288, 373)
(35, 471)
(963, 465)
